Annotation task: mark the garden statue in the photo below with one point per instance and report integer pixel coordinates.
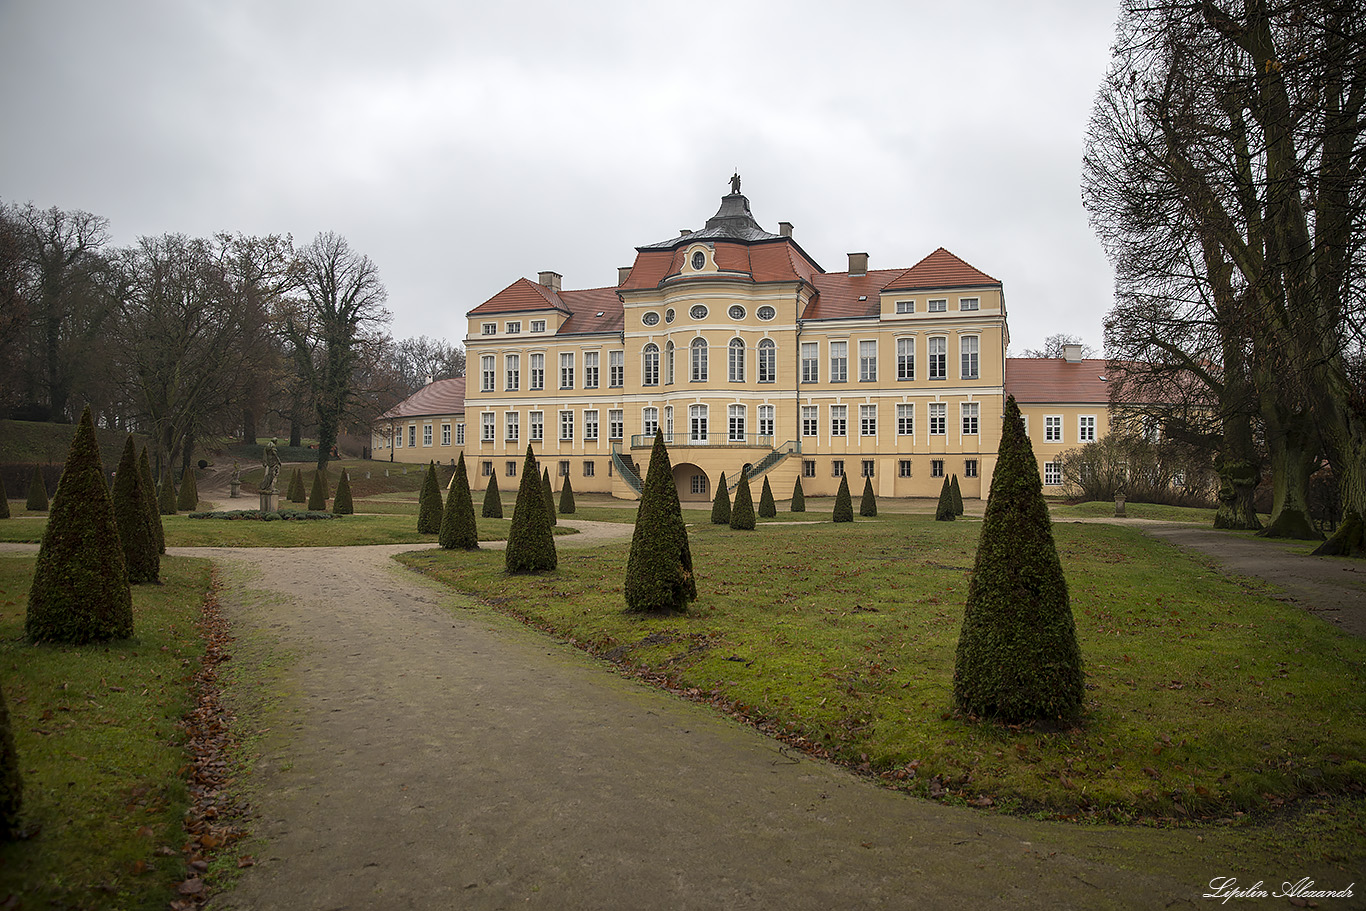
(235, 483)
(272, 462)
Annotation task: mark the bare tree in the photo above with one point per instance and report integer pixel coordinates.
(1056, 345)
(340, 310)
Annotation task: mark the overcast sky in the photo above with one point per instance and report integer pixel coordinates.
(464, 145)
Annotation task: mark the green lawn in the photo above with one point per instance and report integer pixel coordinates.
(1097, 510)
(1205, 696)
(100, 747)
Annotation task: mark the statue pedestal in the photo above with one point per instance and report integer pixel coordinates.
(235, 489)
(270, 501)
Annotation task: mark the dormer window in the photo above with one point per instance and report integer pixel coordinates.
(905, 306)
(538, 325)
(699, 261)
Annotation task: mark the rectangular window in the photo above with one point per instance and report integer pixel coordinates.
(867, 420)
(867, 468)
(510, 469)
(566, 425)
(903, 468)
(969, 468)
(839, 362)
(412, 434)
(536, 425)
(839, 420)
(766, 413)
(1086, 429)
(445, 434)
(970, 412)
(426, 434)
(810, 416)
(736, 361)
(905, 306)
(968, 303)
(836, 467)
(486, 468)
(697, 424)
(810, 362)
(486, 426)
(1052, 474)
(512, 425)
(808, 468)
(669, 363)
(939, 358)
(616, 367)
(512, 367)
(649, 421)
(514, 327)
(460, 434)
(590, 370)
(905, 420)
(616, 424)
(537, 371)
(938, 418)
(538, 325)
(567, 371)
(490, 329)
(967, 349)
(1052, 429)
(937, 306)
(867, 362)
(590, 424)
(564, 468)
(588, 469)
(488, 372)
(736, 426)
(698, 484)
(905, 358)
(768, 362)
(936, 468)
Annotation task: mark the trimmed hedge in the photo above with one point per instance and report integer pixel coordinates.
(742, 510)
(429, 503)
(768, 509)
(149, 489)
(868, 505)
(956, 494)
(566, 498)
(134, 522)
(256, 515)
(531, 543)
(844, 504)
(549, 497)
(37, 492)
(798, 496)
(189, 490)
(458, 527)
(342, 504)
(317, 496)
(493, 500)
(659, 571)
(166, 495)
(295, 493)
(943, 510)
(720, 504)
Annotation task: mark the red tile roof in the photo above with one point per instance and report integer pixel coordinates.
(437, 397)
(594, 310)
(769, 261)
(523, 294)
(941, 269)
(838, 294)
(1054, 379)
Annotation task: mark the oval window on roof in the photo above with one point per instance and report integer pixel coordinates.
(669, 315)
(698, 312)
(737, 312)
(650, 318)
(766, 312)
(699, 260)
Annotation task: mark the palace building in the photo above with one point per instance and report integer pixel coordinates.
(744, 351)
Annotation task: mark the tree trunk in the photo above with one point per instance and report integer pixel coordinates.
(1237, 489)
(1292, 443)
(296, 433)
(249, 426)
(186, 452)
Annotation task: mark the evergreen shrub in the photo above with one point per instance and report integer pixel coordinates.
(798, 496)
(493, 500)
(956, 494)
(531, 543)
(844, 504)
(659, 570)
(149, 489)
(943, 510)
(567, 498)
(295, 493)
(166, 494)
(720, 504)
(767, 507)
(134, 521)
(37, 492)
(429, 504)
(317, 496)
(189, 491)
(742, 510)
(342, 504)
(868, 505)
(458, 527)
(549, 497)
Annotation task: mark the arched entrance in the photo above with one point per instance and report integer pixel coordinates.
(692, 483)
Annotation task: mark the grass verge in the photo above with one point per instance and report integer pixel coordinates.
(1205, 697)
(97, 731)
(1095, 509)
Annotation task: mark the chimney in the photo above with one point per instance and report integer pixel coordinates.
(684, 232)
(623, 273)
(785, 228)
(551, 280)
(1071, 353)
(858, 263)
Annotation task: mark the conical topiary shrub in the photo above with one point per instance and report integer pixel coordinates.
(720, 504)
(295, 493)
(342, 504)
(567, 498)
(37, 492)
(317, 494)
(742, 510)
(149, 490)
(844, 504)
(135, 525)
(11, 782)
(531, 543)
(189, 491)
(1018, 657)
(429, 505)
(659, 573)
(493, 500)
(458, 528)
(943, 511)
(767, 507)
(166, 494)
(868, 505)
(80, 583)
(549, 497)
(956, 495)
(798, 496)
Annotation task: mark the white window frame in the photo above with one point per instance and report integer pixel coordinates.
(698, 433)
(488, 427)
(1086, 428)
(971, 413)
(567, 426)
(969, 357)
(939, 357)
(937, 305)
(767, 415)
(649, 365)
(512, 426)
(445, 434)
(488, 372)
(839, 420)
(811, 362)
(649, 421)
(969, 303)
(538, 325)
(1052, 474)
(905, 419)
(903, 307)
(514, 327)
(939, 417)
(512, 369)
(867, 361)
(489, 329)
(867, 420)
(735, 360)
(697, 359)
(535, 426)
(591, 369)
(811, 421)
(905, 359)
(768, 361)
(1052, 428)
(426, 434)
(839, 362)
(616, 369)
(590, 424)
(537, 378)
(616, 423)
(566, 370)
(735, 423)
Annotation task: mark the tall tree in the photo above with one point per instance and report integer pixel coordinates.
(341, 310)
(1056, 346)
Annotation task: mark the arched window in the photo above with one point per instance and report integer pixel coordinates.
(669, 363)
(649, 374)
(768, 361)
(699, 360)
(737, 360)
